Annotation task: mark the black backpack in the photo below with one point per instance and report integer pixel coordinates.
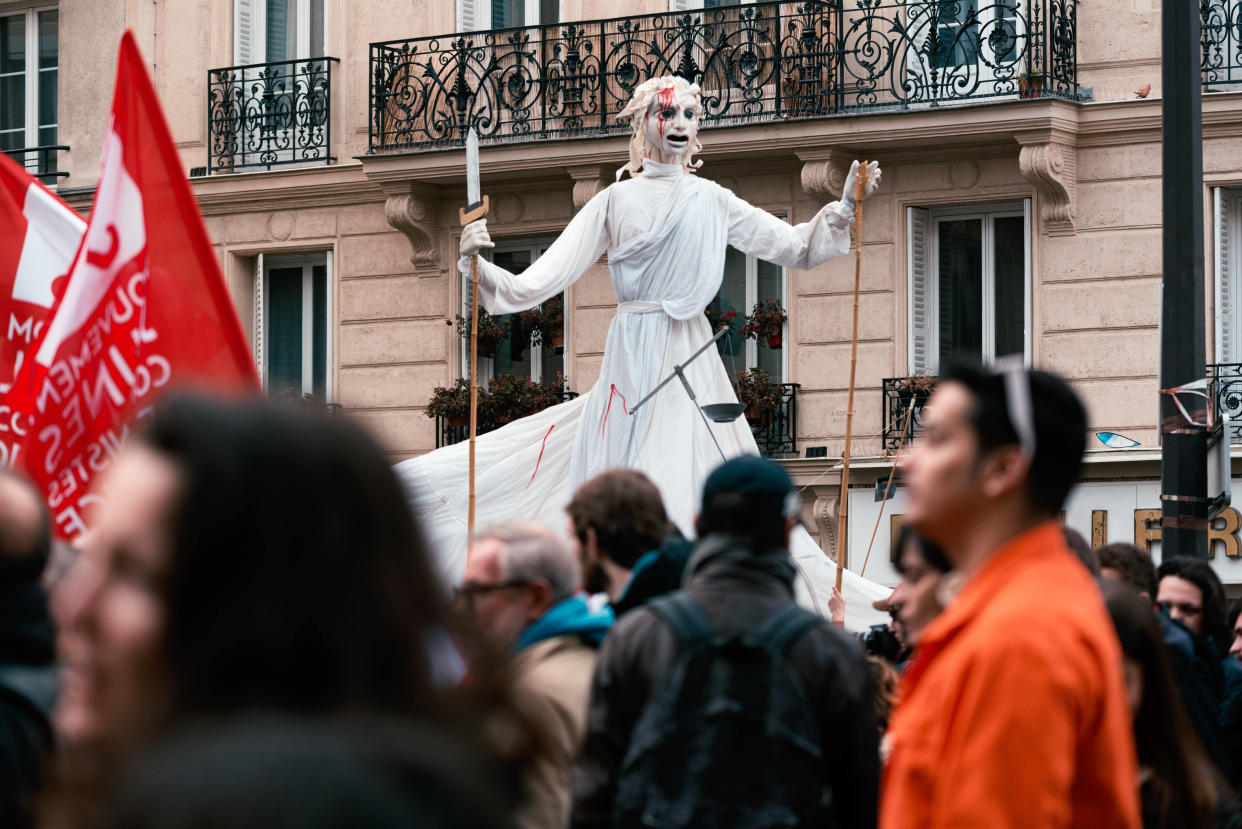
(729, 739)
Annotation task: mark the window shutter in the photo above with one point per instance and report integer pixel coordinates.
(921, 308)
(248, 31)
(258, 331)
(474, 15)
(1227, 305)
(684, 5)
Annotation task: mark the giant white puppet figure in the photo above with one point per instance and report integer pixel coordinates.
(665, 231)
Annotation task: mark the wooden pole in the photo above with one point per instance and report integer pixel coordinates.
(474, 387)
(467, 218)
(843, 524)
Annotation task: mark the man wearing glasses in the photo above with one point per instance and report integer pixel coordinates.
(521, 594)
(1013, 708)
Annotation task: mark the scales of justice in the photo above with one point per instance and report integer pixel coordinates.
(665, 230)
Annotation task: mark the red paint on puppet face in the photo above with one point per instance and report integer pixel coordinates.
(666, 99)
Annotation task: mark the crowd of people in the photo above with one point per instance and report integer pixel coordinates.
(254, 634)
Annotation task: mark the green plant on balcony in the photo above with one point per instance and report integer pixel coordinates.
(545, 323)
(492, 331)
(757, 392)
(453, 403)
(766, 323)
(513, 395)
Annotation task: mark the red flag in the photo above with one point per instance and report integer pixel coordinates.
(145, 308)
(39, 235)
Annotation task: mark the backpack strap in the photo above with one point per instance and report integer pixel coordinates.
(783, 627)
(683, 617)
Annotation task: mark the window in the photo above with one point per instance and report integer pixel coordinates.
(28, 66)
(953, 42)
(265, 31)
(969, 283)
(1227, 233)
(518, 351)
(292, 329)
(478, 15)
(748, 280)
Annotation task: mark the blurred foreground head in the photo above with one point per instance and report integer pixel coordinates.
(256, 773)
(248, 556)
(750, 500)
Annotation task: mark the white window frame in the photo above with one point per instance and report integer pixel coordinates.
(476, 15)
(32, 70)
(264, 264)
(1227, 236)
(924, 264)
(751, 355)
(692, 5)
(250, 46)
(537, 247)
(986, 19)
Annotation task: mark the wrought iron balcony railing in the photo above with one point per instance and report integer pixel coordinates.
(448, 433)
(903, 399)
(269, 114)
(40, 162)
(1221, 36)
(777, 435)
(1225, 389)
(758, 62)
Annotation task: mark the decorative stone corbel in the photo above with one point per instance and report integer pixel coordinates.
(825, 512)
(824, 172)
(589, 179)
(1049, 161)
(414, 209)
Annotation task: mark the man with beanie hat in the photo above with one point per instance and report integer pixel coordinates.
(651, 750)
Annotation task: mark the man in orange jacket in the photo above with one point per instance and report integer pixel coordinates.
(1013, 710)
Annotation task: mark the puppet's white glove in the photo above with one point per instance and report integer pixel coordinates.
(474, 237)
(851, 182)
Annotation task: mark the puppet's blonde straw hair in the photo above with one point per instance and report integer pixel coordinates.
(643, 95)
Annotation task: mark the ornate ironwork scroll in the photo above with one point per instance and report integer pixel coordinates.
(269, 114)
(755, 63)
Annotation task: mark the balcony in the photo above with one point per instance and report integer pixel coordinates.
(1221, 36)
(448, 433)
(269, 114)
(903, 399)
(756, 63)
(40, 162)
(777, 434)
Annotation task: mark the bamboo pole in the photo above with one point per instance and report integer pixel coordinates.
(466, 218)
(843, 524)
(474, 387)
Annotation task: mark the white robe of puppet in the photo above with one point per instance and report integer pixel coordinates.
(665, 233)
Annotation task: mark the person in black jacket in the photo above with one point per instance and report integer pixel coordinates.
(739, 576)
(28, 682)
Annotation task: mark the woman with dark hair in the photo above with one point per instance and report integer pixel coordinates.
(1178, 785)
(249, 557)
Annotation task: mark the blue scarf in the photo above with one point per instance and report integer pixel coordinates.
(570, 616)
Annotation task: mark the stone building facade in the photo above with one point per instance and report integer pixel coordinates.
(1006, 221)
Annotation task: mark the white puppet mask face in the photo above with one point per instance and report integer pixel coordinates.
(671, 125)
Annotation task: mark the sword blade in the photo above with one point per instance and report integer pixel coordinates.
(473, 197)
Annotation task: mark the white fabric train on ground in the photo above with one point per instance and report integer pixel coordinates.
(666, 234)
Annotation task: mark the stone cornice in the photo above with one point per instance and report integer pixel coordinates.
(328, 186)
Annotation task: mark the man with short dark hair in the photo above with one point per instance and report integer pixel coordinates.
(738, 593)
(625, 542)
(1013, 710)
